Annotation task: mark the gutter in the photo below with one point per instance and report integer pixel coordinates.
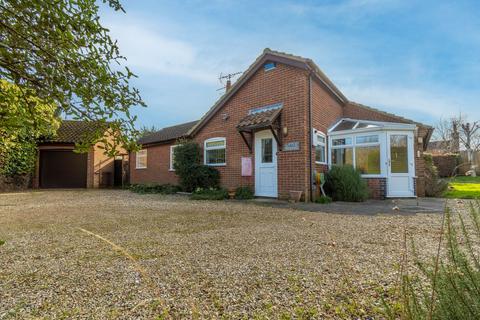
(310, 179)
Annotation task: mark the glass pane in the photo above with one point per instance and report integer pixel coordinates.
(218, 143)
(367, 159)
(216, 156)
(399, 154)
(320, 153)
(320, 139)
(342, 156)
(345, 125)
(367, 139)
(342, 141)
(267, 152)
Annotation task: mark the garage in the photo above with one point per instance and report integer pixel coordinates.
(63, 169)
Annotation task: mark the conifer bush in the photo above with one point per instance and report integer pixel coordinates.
(344, 183)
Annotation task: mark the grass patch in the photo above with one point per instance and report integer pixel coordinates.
(2, 242)
(463, 188)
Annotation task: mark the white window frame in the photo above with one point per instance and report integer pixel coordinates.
(171, 156)
(205, 149)
(317, 143)
(139, 154)
(380, 143)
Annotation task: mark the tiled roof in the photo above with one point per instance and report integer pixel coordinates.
(259, 119)
(168, 133)
(73, 131)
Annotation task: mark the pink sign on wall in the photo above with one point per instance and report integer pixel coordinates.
(246, 166)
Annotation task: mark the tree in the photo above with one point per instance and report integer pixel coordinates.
(460, 133)
(22, 122)
(145, 131)
(57, 51)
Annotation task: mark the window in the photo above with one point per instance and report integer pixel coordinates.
(215, 152)
(269, 66)
(141, 159)
(172, 156)
(342, 141)
(342, 156)
(367, 159)
(399, 153)
(367, 139)
(320, 148)
(267, 150)
(362, 152)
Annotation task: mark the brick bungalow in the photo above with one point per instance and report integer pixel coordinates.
(281, 122)
(59, 167)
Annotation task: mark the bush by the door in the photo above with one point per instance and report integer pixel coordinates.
(190, 170)
(244, 193)
(344, 183)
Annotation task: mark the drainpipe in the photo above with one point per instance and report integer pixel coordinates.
(310, 136)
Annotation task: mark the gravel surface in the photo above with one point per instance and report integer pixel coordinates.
(115, 254)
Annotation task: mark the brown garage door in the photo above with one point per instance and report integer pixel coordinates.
(63, 169)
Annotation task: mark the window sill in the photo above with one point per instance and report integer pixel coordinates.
(318, 162)
(216, 164)
(140, 168)
(172, 170)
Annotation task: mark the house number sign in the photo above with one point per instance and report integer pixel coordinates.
(291, 146)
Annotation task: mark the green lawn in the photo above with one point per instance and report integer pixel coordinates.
(463, 188)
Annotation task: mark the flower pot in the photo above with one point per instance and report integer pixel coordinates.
(231, 194)
(295, 196)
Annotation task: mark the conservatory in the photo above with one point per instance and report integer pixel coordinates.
(380, 150)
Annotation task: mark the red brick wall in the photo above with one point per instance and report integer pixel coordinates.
(326, 110)
(284, 84)
(158, 167)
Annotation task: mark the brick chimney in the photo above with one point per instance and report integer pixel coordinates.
(228, 86)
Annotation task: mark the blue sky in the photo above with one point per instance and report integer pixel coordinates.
(418, 59)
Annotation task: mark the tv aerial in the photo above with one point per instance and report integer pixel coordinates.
(226, 80)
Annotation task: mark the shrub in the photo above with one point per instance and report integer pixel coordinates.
(243, 193)
(323, 199)
(209, 194)
(452, 277)
(434, 186)
(188, 167)
(344, 183)
(154, 188)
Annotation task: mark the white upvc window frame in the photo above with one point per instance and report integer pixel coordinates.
(205, 149)
(317, 142)
(139, 154)
(172, 148)
(381, 143)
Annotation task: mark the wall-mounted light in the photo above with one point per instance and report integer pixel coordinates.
(225, 116)
(419, 153)
(285, 131)
(420, 139)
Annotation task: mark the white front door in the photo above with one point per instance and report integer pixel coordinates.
(265, 164)
(401, 164)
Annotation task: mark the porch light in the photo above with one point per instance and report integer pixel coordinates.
(285, 131)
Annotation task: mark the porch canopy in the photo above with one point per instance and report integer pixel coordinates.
(265, 118)
(378, 149)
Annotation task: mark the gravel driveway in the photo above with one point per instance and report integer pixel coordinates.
(114, 254)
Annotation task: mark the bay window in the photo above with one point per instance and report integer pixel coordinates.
(215, 152)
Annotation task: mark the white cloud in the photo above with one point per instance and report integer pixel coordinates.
(408, 100)
(148, 50)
